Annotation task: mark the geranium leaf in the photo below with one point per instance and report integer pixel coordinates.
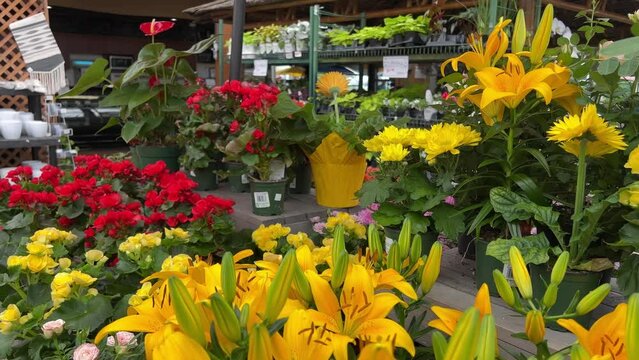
(19, 221)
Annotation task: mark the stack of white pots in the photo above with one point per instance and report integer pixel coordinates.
(14, 124)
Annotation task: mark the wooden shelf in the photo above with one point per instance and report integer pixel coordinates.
(29, 142)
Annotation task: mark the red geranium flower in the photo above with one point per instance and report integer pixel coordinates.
(258, 134)
(155, 27)
(234, 127)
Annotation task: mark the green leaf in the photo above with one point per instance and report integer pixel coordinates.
(119, 96)
(419, 222)
(131, 129)
(141, 96)
(373, 191)
(185, 70)
(533, 248)
(250, 159)
(595, 265)
(72, 210)
(284, 107)
(608, 66)
(628, 237)
(6, 344)
(621, 47)
(449, 221)
(628, 276)
(19, 221)
(84, 314)
(94, 75)
(540, 158)
(528, 186)
(38, 294)
(486, 209)
(111, 123)
(629, 67)
(389, 215)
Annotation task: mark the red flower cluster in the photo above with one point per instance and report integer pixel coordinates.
(209, 207)
(253, 98)
(195, 100)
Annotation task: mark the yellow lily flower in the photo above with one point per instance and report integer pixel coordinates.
(448, 318)
(606, 337)
(510, 85)
(491, 114)
(169, 343)
(359, 313)
(382, 351)
(563, 93)
(302, 339)
(482, 57)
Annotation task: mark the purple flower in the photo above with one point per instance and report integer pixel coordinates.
(428, 214)
(315, 219)
(319, 227)
(365, 217)
(374, 206)
(450, 200)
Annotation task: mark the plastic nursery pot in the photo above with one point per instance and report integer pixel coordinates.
(206, 178)
(484, 266)
(238, 180)
(582, 281)
(466, 246)
(412, 38)
(301, 182)
(143, 155)
(267, 197)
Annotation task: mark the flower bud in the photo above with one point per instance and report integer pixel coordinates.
(503, 288)
(228, 277)
(463, 342)
(278, 291)
(64, 263)
(535, 326)
(439, 345)
(559, 270)
(244, 315)
(260, 344)
(374, 242)
(519, 32)
(340, 268)
(487, 338)
(86, 352)
(393, 260)
(404, 238)
(550, 296)
(338, 242)
(593, 299)
(302, 285)
(415, 249)
(431, 269)
(225, 319)
(189, 315)
(51, 328)
(632, 327)
(542, 36)
(520, 273)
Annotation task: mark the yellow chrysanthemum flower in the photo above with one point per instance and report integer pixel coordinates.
(389, 136)
(601, 137)
(443, 138)
(393, 152)
(332, 83)
(633, 161)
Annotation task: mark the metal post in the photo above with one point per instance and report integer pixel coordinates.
(237, 36)
(360, 85)
(312, 50)
(220, 52)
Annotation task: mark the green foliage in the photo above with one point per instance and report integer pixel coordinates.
(534, 248)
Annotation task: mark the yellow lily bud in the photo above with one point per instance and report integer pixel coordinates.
(559, 270)
(228, 277)
(542, 36)
(431, 268)
(439, 345)
(632, 327)
(225, 318)
(260, 344)
(593, 299)
(519, 32)
(535, 326)
(302, 285)
(550, 296)
(463, 343)
(374, 242)
(278, 291)
(404, 238)
(393, 260)
(577, 352)
(189, 315)
(340, 268)
(415, 249)
(503, 288)
(487, 338)
(520, 273)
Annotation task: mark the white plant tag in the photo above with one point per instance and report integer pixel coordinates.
(278, 170)
(298, 54)
(388, 242)
(245, 179)
(261, 200)
(293, 184)
(260, 67)
(278, 197)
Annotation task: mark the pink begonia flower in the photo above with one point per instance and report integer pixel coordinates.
(450, 200)
(319, 227)
(428, 214)
(374, 206)
(51, 328)
(365, 217)
(86, 352)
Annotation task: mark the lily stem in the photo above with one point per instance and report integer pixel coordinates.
(579, 197)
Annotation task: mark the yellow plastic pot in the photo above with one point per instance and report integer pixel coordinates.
(338, 173)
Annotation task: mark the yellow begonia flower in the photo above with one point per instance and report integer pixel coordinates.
(17, 261)
(359, 313)
(482, 56)
(176, 233)
(445, 138)
(265, 237)
(302, 339)
(39, 249)
(82, 279)
(602, 138)
(629, 195)
(448, 318)
(51, 235)
(8, 317)
(633, 161)
(94, 255)
(179, 263)
(393, 152)
(300, 239)
(36, 263)
(606, 337)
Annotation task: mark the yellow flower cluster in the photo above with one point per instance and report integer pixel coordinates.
(52, 235)
(391, 135)
(134, 245)
(40, 250)
(601, 138)
(322, 253)
(629, 196)
(10, 316)
(64, 284)
(94, 257)
(177, 234)
(177, 263)
(444, 138)
(142, 294)
(300, 239)
(266, 237)
(349, 222)
(393, 152)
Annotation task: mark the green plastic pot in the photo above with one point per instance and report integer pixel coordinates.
(484, 266)
(302, 179)
(143, 155)
(206, 178)
(267, 197)
(574, 281)
(238, 180)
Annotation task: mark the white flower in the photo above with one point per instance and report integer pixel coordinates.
(126, 338)
(86, 352)
(558, 27)
(634, 17)
(51, 328)
(110, 341)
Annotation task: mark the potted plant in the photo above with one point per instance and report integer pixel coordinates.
(151, 95)
(255, 141)
(372, 35)
(405, 29)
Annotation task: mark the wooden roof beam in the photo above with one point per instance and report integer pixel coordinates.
(577, 7)
(226, 13)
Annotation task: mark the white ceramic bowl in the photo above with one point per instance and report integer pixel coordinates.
(37, 129)
(9, 114)
(11, 129)
(35, 165)
(5, 170)
(26, 116)
(26, 127)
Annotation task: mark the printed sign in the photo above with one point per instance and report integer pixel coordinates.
(260, 67)
(396, 67)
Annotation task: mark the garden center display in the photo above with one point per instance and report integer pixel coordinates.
(533, 157)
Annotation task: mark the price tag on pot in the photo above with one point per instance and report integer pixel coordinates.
(260, 67)
(278, 197)
(298, 54)
(261, 200)
(396, 67)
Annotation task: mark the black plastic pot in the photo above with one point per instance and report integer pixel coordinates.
(267, 197)
(143, 155)
(206, 178)
(484, 266)
(238, 180)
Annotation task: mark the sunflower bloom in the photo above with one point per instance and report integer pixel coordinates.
(332, 83)
(447, 318)
(444, 138)
(394, 152)
(606, 337)
(601, 138)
